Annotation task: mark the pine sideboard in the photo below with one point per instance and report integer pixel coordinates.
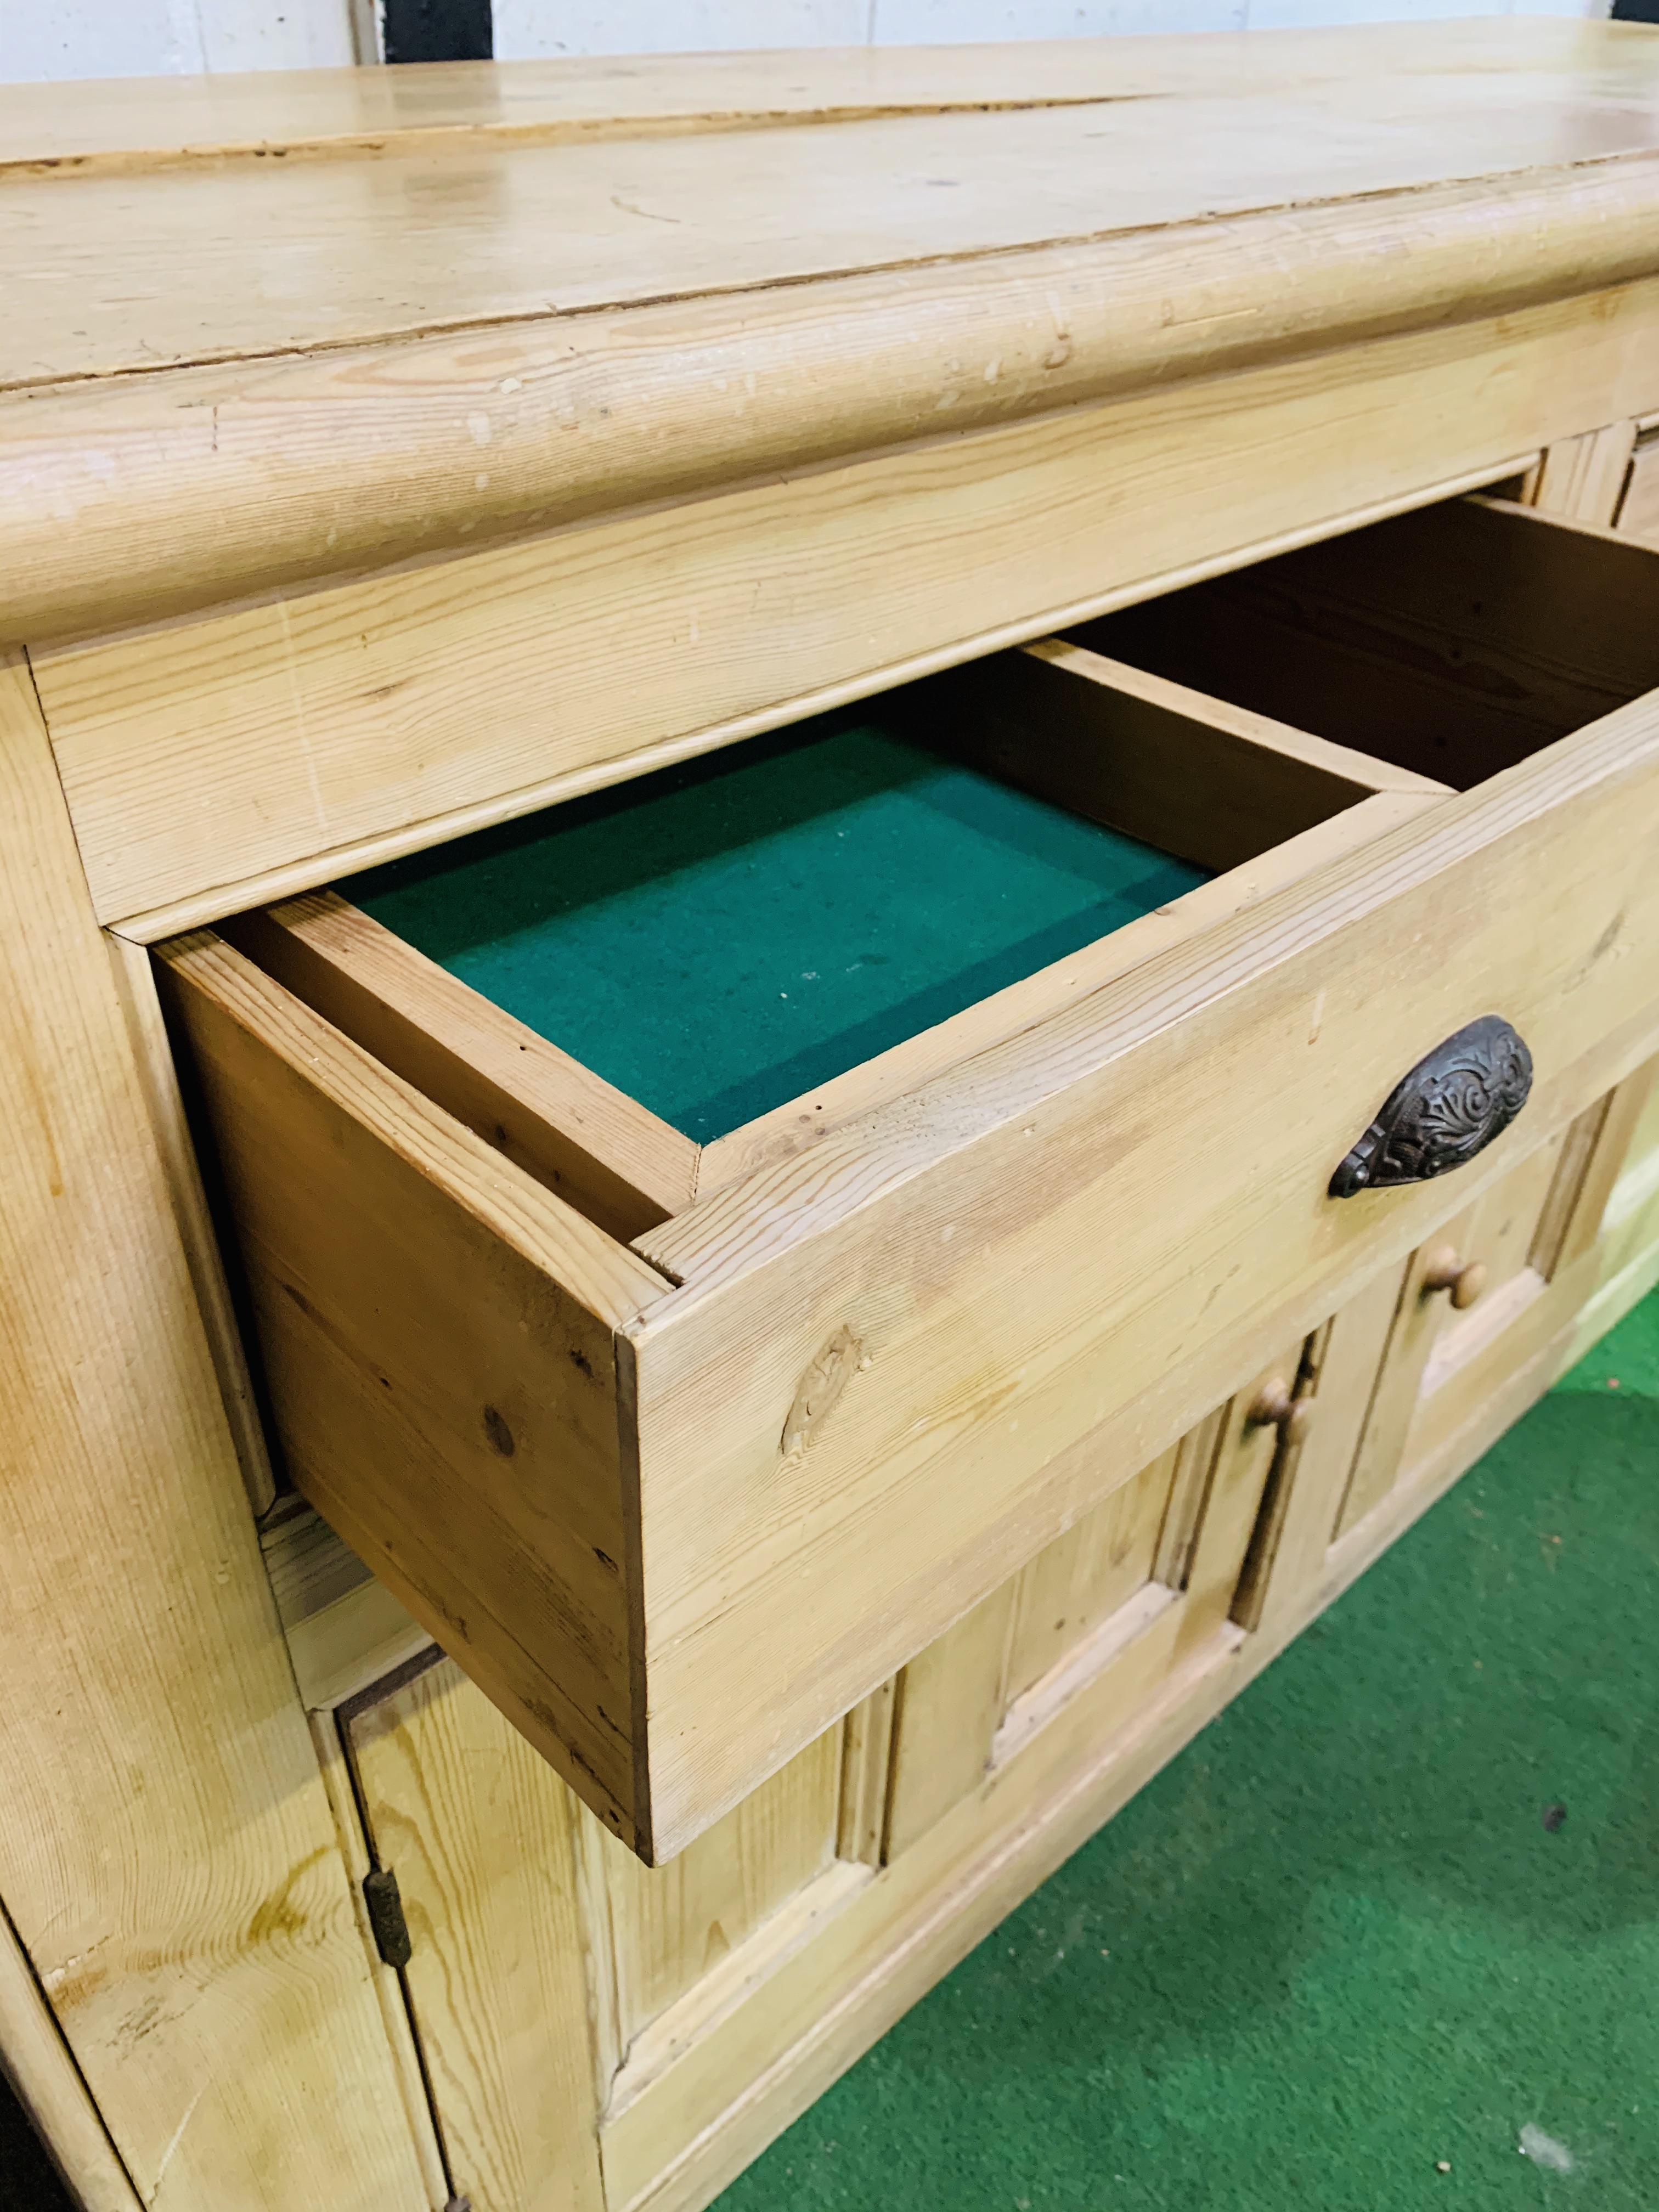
(539, 1616)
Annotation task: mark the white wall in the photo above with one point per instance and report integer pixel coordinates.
(526, 28)
(41, 39)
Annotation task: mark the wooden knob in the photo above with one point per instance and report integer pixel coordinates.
(1275, 1407)
(1443, 1270)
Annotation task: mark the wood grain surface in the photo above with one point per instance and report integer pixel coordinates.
(213, 763)
(477, 1829)
(672, 1926)
(608, 1156)
(120, 124)
(983, 1255)
(797, 296)
(167, 1859)
(405, 242)
(437, 1331)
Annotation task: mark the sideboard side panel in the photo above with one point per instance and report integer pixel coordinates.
(167, 1857)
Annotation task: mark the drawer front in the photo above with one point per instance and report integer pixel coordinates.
(1103, 1225)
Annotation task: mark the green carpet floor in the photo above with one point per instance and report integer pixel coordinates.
(1397, 1906)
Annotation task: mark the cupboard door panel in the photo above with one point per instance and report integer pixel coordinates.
(551, 1977)
(1579, 1245)
(1419, 1314)
(948, 1703)
(1501, 1234)
(671, 1925)
(479, 1832)
(1298, 1520)
(1107, 1611)
(1543, 1215)
(1613, 1144)
(1076, 1581)
(1502, 1226)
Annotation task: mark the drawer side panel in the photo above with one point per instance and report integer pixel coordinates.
(438, 1341)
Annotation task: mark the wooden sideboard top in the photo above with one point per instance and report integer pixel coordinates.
(135, 124)
(272, 327)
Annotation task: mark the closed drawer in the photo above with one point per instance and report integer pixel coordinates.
(702, 1242)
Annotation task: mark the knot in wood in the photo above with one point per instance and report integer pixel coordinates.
(827, 1376)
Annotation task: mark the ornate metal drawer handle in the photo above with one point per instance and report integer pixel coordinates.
(1450, 1107)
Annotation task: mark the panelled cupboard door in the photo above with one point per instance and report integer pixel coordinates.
(481, 1835)
(1469, 1293)
(552, 1978)
(1478, 1261)
(1339, 1374)
(1102, 1616)
(1567, 1258)
(586, 2019)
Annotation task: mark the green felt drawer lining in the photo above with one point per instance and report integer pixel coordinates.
(722, 936)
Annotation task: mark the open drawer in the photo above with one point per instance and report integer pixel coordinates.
(701, 1240)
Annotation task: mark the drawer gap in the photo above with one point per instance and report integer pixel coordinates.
(1455, 640)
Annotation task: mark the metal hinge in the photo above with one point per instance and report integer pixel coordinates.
(386, 1915)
